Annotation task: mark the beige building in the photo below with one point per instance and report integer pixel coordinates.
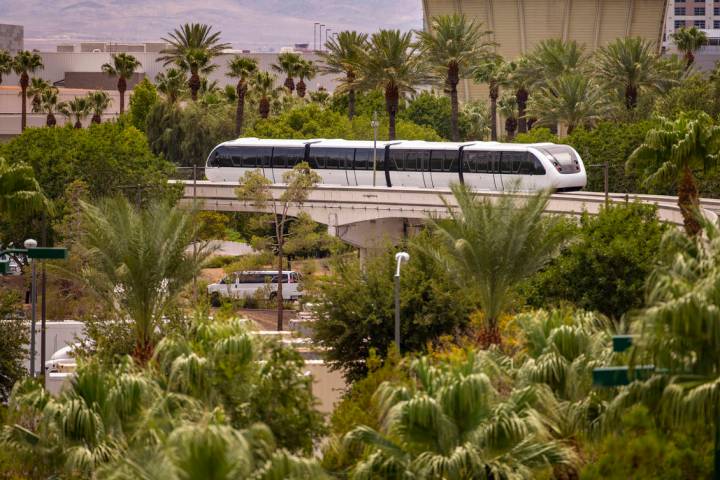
(518, 25)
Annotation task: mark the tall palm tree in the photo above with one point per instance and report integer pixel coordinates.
(192, 48)
(171, 83)
(342, 56)
(78, 109)
(631, 65)
(49, 104)
(241, 68)
(672, 151)
(552, 58)
(123, 67)
(287, 64)
(522, 79)
(452, 46)
(6, 61)
(493, 72)
(139, 262)
(35, 89)
(451, 422)
(572, 99)
(306, 71)
(99, 101)
(508, 107)
(19, 190)
(391, 62)
(263, 84)
(490, 246)
(689, 41)
(25, 63)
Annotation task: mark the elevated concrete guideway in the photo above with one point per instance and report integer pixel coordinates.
(366, 217)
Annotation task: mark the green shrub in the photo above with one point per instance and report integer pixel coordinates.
(433, 110)
(142, 98)
(13, 342)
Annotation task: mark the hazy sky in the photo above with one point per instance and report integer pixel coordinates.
(253, 24)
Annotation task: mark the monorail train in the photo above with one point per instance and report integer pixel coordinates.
(480, 165)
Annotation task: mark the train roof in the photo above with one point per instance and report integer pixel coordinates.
(394, 144)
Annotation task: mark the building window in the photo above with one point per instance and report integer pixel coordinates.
(699, 11)
(716, 11)
(716, 24)
(699, 23)
(679, 10)
(679, 24)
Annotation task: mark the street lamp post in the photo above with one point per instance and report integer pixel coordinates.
(315, 25)
(320, 44)
(374, 124)
(400, 257)
(30, 243)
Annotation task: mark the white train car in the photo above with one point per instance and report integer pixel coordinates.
(481, 165)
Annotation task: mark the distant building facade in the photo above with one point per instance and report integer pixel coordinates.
(519, 25)
(703, 14)
(12, 38)
(112, 47)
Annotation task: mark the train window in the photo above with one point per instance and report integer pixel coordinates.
(284, 157)
(444, 161)
(479, 162)
(510, 162)
(537, 166)
(364, 158)
(335, 158)
(251, 157)
(221, 157)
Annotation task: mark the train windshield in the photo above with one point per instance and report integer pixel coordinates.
(564, 158)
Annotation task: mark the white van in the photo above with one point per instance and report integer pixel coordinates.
(247, 284)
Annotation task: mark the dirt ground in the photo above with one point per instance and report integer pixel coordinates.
(267, 319)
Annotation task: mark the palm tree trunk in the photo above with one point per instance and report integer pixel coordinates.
(688, 202)
(510, 126)
(96, 119)
(351, 103)
(631, 95)
(78, 124)
(522, 98)
(264, 109)
(489, 335)
(279, 295)
(289, 84)
(24, 81)
(392, 97)
(493, 111)
(50, 120)
(301, 88)
(453, 81)
(240, 111)
(194, 84)
(689, 59)
(122, 87)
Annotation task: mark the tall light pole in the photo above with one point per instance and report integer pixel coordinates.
(326, 34)
(400, 257)
(315, 25)
(30, 243)
(374, 124)
(320, 46)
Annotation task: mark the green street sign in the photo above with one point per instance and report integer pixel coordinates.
(48, 253)
(4, 268)
(618, 376)
(622, 342)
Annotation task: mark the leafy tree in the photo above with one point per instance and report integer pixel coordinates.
(392, 64)
(452, 46)
(171, 83)
(98, 102)
(695, 93)
(489, 246)
(342, 57)
(508, 109)
(19, 189)
(123, 67)
(478, 120)
(12, 343)
(255, 187)
(306, 70)
(689, 41)
(309, 239)
(452, 422)
(492, 71)
(288, 64)
(434, 111)
(78, 108)
(192, 48)
(364, 103)
(241, 68)
(673, 150)
(552, 58)
(138, 263)
(6, 61)
(572, 100)
(24, 64)
(213, 225)
(143, 97)
(355, 307)
(607, 266)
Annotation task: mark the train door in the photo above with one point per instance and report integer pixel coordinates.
(496, 171)
(424, 167)
(444, 168)
(478, 169)
(363, 170)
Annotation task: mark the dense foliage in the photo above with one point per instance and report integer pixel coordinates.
(13, 342)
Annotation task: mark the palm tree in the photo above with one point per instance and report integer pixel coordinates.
(192, 48)
(521, 78)
(171, 83)
(263, 85)
(391, 63)
(631, 65)
(508, 107)
(49, 105)
(452, 46)
(35, 89)
(672, 151)
(123, 67)
(287, 64)
(19, 190)
(306, 71)
(490, 246)
(78, 109)
(241, 68)
(6, 62)
(572, 100)
(342, 56)
(99, 101)
(689, 41)
(451, 422)
(25, 63)
(552, 58)
(139, 262)
(494, 73)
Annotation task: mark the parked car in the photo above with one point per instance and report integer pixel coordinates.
(249, 283)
